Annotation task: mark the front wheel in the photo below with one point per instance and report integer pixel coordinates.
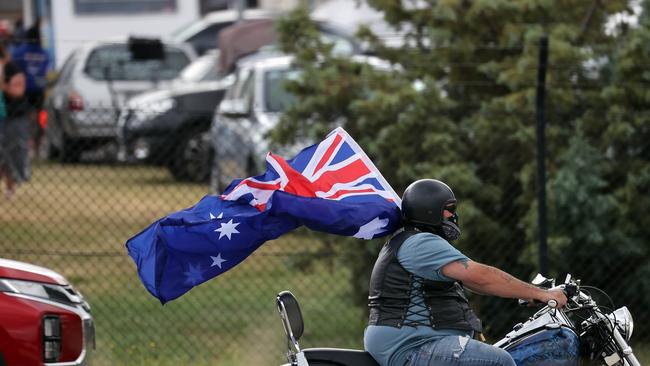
(226, 168)
(192, 158)
(71, 150)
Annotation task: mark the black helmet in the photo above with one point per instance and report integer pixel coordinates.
(425, 200)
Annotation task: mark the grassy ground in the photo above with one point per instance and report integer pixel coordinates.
(76, 219)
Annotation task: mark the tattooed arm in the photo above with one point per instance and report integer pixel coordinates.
(493, 281)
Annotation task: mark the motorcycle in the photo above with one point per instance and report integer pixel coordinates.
(579, 332)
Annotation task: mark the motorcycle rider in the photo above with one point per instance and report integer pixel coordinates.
(419, 315)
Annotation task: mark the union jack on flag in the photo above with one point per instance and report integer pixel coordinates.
(331, 186)
(334, 169)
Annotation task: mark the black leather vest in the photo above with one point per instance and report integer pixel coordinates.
(390, 293)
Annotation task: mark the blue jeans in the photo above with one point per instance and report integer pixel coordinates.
(461, 351)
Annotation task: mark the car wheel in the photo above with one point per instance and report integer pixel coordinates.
(70, 151)
(192, 158)
(52, 152)
(227, 169)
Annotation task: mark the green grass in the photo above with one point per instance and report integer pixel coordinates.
(76, 219)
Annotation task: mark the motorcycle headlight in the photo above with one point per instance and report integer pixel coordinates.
(62, 294)
(624, 322)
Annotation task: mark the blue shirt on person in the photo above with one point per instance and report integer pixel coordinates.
(33, 60)
(423, 254)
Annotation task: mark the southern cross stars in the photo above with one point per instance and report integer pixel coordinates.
(227, 229)
(217, 261)
(194, 275)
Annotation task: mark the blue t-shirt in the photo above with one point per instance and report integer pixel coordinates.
(423, 254)
(33, 60)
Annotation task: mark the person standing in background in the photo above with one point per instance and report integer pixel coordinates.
(14, 144)
(33, 60)
(4, 58)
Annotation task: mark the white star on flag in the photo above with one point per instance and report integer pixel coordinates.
(369, 229)
(194, 275)
(217, 261)
(227, 229)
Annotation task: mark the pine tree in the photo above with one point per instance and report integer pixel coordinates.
(458, 105)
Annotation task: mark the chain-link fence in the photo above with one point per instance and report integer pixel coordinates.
(100, 174)
(75, 215)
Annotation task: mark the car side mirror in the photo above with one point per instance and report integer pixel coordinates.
(234, 108)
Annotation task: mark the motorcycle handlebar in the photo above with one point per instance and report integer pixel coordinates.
(569, 290)
(550, 303)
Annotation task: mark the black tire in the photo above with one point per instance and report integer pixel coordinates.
(192, 158)
(52, 152)
(225, 170)
(70, 151)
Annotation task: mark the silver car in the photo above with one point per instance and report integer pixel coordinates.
(95, 82)
(250, 109)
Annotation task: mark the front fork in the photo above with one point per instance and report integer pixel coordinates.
(629, 359)
(628, 355)
(297, 359)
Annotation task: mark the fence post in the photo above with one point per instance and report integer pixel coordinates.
(541, 154)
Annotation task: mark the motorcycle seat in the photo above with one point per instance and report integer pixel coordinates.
(338, 357)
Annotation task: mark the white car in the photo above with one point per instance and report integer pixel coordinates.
(96, 81)
(203, 34)
(251, 108)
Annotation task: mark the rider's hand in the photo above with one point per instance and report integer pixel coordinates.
(557, 295)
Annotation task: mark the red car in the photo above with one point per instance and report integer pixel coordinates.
(43, 320)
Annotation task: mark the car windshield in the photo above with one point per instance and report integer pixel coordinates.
(183, 33)
(203, 69)
(276, 96)
(114, 62)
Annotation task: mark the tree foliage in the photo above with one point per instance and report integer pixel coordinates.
(458, 105)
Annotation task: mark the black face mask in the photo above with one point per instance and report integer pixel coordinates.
(450, 228)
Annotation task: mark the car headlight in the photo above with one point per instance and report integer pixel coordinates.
(62, 294)
(145, 112)
(624, 322)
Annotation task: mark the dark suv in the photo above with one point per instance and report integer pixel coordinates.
(170, 126)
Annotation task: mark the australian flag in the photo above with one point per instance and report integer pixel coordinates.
(331, 187)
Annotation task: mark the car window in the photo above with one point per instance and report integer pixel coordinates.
(276, 96)
(186, 31)
(209, 37)
(114, 62)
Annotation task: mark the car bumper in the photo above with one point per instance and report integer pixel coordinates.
(87, 327)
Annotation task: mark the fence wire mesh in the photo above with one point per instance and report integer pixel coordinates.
(87, 196)
(75, 217)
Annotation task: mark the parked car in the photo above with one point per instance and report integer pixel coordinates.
(170, 126)
(250, 109)
(203, 34)
(95, 81)
(43, 319)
